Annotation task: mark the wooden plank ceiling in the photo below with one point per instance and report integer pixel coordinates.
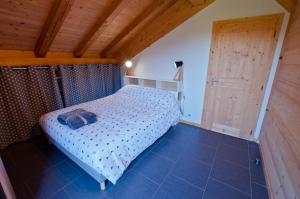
(117, 29)
(88, 28)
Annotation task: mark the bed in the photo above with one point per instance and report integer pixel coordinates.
(129, 121)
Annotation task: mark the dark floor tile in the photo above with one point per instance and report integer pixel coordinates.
(141, 157)
(60, 195)
(254, 151)
(257, 174)
(182, 134)
(39, 170)
(22, 191)
(175, 188)
(168, 149)
(75, 166)
(29, 164)
(2, 194)
(232, 174)
(154, 167)
(199, 151)
(233, 155)
(257, 171)
(14, 174)
(51, 154)
(68, 172)
(235, 142)
(259, 192)
(47, 183)
(193, 171)
(84, 187)
(209, 138)
(217, 190)
(132, 185)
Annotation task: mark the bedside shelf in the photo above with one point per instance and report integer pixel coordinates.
(170, 85)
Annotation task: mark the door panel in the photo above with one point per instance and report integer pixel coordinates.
(240, 59)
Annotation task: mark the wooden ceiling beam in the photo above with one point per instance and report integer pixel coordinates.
(55, 61)
(197, 2)
(166, 22)
(109, 14)
(55, 19)
(289, 5)
(145, 14)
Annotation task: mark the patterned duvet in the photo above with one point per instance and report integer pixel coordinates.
(129, 121)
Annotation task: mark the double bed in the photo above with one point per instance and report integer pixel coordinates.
(128, 122)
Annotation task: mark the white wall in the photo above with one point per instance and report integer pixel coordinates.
(190, 42)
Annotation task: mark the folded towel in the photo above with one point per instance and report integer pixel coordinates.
(62, 118)
(75, 122)
(77, 118)
(89, 116)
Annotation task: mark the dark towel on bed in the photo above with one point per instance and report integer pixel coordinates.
(77, 118)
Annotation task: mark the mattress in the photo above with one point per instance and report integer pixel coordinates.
(128, 122)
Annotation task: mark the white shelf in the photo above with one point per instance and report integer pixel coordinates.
(170, 85)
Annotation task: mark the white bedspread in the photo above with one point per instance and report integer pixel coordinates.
(128, 122)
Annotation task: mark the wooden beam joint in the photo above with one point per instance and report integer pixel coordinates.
(130, 27)
(55, 19)
(108, 15)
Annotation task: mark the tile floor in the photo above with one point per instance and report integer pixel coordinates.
(187, 162)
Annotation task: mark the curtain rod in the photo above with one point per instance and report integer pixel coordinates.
(44, 67)
(23, 68)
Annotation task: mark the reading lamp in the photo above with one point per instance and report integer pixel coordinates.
(178, 65)
(128, 65)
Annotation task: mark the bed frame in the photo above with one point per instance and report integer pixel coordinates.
(174, 86)
(98, 177)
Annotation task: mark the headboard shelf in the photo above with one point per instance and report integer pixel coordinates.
(170, 85)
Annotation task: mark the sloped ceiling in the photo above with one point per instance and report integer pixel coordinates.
(98, 28)
(92, 28)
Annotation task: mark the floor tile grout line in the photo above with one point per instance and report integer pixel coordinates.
(147, 177)
(65, 185)
(224, 183)
(265, 186)
(52, 194)
(235, 164)
(236, 148)
(162, 182)
(211, 168)
(189, 183)
(176, 142)
(162, 156)
(249, 170)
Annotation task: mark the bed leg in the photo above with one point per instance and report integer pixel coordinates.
(102, 185)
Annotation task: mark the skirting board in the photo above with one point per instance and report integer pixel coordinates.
(198, 125)
(190, 123)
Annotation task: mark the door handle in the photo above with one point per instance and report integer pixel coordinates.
(212, 82)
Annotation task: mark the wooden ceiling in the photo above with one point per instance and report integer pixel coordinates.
(90, 28)
(106, 29)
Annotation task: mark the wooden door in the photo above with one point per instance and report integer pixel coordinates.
(240, 59)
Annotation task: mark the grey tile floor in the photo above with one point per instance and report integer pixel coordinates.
(187, 162)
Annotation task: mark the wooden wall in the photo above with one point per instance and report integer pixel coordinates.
(280, 135)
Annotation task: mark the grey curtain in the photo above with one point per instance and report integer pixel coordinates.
(24, 96)
(89, 82)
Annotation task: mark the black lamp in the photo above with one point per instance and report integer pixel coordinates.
(178, 64)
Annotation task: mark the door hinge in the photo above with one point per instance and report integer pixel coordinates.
(275, 32)
(251, 132)
(262, 87)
